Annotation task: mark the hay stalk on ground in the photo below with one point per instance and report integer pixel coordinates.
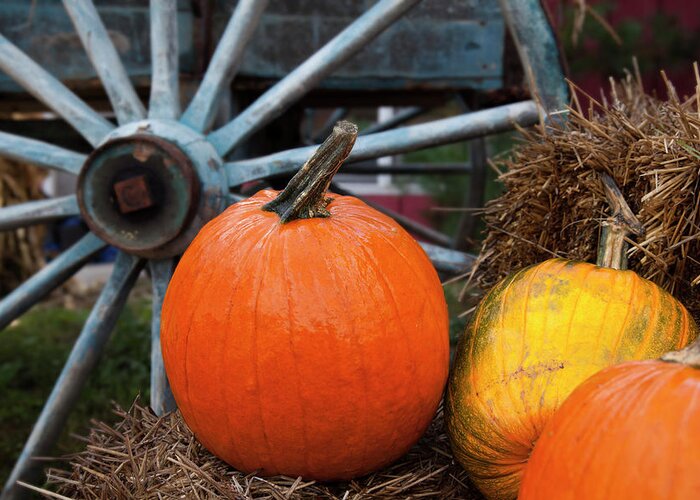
(144, 456)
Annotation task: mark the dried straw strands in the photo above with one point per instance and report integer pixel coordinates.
(20, 250)
(553, 200)
(151, 458)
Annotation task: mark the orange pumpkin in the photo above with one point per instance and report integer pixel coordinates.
(630, 431)
(304, 334)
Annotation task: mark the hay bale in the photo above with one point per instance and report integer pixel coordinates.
(144, 456)
(553, 201)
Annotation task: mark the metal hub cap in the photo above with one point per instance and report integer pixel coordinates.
(138, 193)
(140, 190)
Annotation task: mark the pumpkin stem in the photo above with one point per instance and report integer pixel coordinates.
(690, 355)
(612, 248)
(304, 197)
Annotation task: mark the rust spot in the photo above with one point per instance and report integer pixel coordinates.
(133, 194)
(213, 164)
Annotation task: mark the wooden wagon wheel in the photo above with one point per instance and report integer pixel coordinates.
(158, 175)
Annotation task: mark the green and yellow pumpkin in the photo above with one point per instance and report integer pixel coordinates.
(533, 339)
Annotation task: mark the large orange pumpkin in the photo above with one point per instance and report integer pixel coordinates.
(305, 333)
(630, 431)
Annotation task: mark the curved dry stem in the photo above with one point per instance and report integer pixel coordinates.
(304, 196)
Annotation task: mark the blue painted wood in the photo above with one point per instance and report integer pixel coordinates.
(300, 81)
(47, 89)
(45, 32)
(539, 53)
(81, 361)
(224, 63)
(162, 400)
(396, 120)
(53, 274)
(40, 153)
(391, 142)
(104, 58)
(35, 212)
(464, 53)
(446, 260)
(165, 86)
(438, 44)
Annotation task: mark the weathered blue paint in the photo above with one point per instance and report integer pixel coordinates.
(104, 58)
(446, 260)
(464, 53)
(52, 93)
(162, 400)
(439, 43)
(81, 361)
(273, 102)
(53, 274)
(538, 52)
(213, 196)
(224, 63)
(35, 212)
(391, 142)
(165, 86)
(46, 33)
(40, 153)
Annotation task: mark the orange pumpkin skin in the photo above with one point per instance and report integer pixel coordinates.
(316, 348)
(630, 431)
(533, 339)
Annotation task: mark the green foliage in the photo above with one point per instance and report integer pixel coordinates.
(32, 353)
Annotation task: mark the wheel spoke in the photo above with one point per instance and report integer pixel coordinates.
(36, 212)
(327, 127)
(100, 49)
(81, 361)
(162, 400)
(224, 63)
(165, 93)
(47, 89)
(273, 102)
(473, 197)
(391, 142)
(371, 167)
(538, 51)
(48, 278)
(448, 261)
(416, 228)
(39, 153)
(396, 120)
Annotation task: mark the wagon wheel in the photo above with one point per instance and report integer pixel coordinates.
(154, 179)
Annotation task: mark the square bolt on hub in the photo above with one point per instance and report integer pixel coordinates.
(133, 194)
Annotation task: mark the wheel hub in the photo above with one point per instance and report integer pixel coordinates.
(149, 187)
